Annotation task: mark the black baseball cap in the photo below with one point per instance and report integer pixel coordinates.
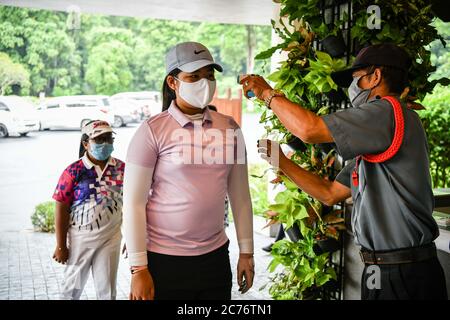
(385, 54)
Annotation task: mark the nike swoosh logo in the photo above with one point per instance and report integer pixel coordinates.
(198, 52)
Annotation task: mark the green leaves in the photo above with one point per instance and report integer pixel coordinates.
(108, 70)
(268, 53)
(319, 79)
(291, 204)
(303, 272)
(324, 58)
(288, 183)
(12, 73)
(275, 76)
(299, 213)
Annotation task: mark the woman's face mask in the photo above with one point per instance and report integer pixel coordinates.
(101, 151)
(357, 95)
(198, 94)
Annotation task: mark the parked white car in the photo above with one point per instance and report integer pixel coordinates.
(17, 116)
(73, 112)
(120, 113)
(125, 111)
(149, 101)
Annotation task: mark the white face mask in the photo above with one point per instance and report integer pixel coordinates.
(198, 94)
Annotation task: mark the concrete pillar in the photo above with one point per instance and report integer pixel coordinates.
(274, 65)
(278, 56)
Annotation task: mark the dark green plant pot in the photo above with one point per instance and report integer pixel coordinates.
(296, 144)
(330, 289)
(331, 286)
(326, 210)
(326, 147)
(311, 294)
(326, 245)
(336, 96)
(294, 233)
(334, 46)
(359, 46)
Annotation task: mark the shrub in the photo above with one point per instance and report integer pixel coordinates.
(436, 121)
(43, 218)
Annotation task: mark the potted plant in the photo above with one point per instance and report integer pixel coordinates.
(319, 78)
(334, 45)
(329, 239)
(304, 273)
(330, 35)
(327, 245)
(294, 233)
(336, 96)
(290, 205)
(295, 143)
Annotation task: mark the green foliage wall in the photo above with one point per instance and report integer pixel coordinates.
(305, 79)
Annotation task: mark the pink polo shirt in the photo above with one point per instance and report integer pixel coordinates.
(191, 163)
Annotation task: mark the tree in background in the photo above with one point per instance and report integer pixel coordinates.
(155, 39)
(12, 74)
(38, 40)
(108, 54)
(436, 121)
(235, 46)
(108, 70)
(440, 54)
(436, 116)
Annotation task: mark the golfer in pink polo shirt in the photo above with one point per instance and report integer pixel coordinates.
(180, 166)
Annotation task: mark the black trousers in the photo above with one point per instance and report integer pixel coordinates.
(423, 280)
(204, 277)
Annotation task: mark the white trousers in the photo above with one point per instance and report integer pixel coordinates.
(102, 260)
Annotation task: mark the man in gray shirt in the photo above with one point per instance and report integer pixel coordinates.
(387, 176)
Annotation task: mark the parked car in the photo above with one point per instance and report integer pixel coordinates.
(18, 116)
(73, 112)
(125, 111)
(122, 115)
(149, 101)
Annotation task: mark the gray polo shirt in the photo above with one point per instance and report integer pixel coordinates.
(393, 203)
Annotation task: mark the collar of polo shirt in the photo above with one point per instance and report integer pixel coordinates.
(89, 164)
(182, 119)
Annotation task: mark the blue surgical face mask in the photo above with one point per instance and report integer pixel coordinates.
(357, 95)
(101, 151)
